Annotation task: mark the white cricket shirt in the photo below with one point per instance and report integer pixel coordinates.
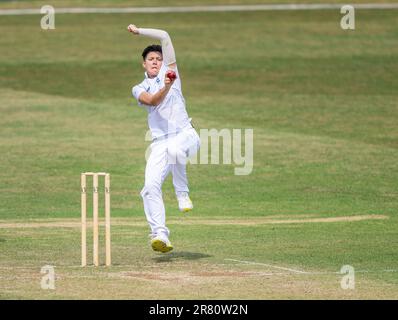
(170, 116)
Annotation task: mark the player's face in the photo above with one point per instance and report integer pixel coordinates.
(153, 63)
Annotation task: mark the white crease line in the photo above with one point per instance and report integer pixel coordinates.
(269, 265)
(186, 9)
(309, 273)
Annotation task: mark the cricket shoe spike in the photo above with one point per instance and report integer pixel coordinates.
(184, 202)
(161, 245)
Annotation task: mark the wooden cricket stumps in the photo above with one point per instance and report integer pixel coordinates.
(107, 208)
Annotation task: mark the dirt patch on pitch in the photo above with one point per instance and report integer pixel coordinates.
(269, 220)
(322, 220)
(140, 222)
(151, 276)
(189, 276)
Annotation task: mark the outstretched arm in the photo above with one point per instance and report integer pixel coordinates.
(169, 57)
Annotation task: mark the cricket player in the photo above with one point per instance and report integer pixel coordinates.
(173, 137)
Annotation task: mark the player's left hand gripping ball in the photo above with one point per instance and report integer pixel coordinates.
(171, 75)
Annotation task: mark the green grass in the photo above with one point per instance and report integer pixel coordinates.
(12, 4)
(323, 106)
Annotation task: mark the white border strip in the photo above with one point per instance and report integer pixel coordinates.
(227, 8)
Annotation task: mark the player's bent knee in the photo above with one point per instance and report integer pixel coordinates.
(176, 156)
(150, 189)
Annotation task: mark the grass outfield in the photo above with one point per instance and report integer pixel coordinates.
(322, 194)
(12, 4)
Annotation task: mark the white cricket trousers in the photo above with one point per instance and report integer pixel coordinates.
(167, 155)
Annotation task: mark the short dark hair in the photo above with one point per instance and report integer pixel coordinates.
(151, 48)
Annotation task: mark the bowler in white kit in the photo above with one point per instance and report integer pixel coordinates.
(173, 137)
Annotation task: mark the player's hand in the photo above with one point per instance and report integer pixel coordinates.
(170, 77)
(133, 29)
(168, 82)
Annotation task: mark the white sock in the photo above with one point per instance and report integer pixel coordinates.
(182, 194)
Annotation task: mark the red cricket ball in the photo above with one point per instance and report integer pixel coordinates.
(171, 75)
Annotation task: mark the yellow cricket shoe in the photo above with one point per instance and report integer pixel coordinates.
(161, 245)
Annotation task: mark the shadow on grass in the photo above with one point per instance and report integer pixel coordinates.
(183, 255)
